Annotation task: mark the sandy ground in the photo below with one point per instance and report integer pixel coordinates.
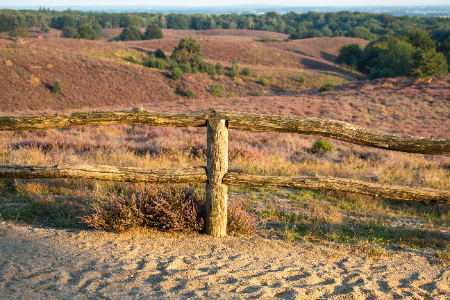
(37, 263)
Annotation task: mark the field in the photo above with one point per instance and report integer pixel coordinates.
(314, 243)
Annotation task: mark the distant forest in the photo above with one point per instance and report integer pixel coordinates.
(306, 25)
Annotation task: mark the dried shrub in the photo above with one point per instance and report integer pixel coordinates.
(35, 81)
(8, 63)
(49, 66)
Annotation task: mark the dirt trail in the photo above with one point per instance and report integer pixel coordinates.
(38, 263)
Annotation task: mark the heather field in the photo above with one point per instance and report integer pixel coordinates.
(376, 232)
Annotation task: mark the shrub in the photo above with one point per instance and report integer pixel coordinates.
(177, 73)
(160, 54)
(208, 68)
(56, 36)
(173, 65)
(195, 70)
(45, 28)
(186, 68)
(131, 33)
(149, 61)
(160, 64)
(383, 73)
(234, 71)
(190, 93)
(219, 68)
(326, 88)
(153, 32)
(263, 81)
(321, 146)
(57, 87)
(216, 90)
(168, 208)
(302, 79)
(229, 94)
(246, 72)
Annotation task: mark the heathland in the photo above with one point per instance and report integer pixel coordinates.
(285, 78)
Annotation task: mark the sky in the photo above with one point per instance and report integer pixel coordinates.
(72, 3)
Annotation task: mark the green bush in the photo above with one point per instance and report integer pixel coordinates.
(186, 68)
(160, 54)
(57, 87)
(302, 79)
(195, 70)
(189, 51)
(428, 63)
(69, 32)
(177, 73)
(219, 68)
(131, 33)
(153, 32)
(383, 73)
(234, 71)
(246, 72)
(349, 55)
(208, 68)
(160, 64)
(229, 94)
(190, 93)
(149, 61)
(216, 90)
(326, 88)
(263, 81)
(321, 146)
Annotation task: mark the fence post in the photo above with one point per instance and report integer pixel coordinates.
(217, 167)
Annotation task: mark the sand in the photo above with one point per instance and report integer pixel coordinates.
(43, 263)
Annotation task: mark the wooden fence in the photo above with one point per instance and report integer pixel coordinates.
(215, 174)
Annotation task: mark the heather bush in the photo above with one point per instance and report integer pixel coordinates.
(177, 73)
(246, 72)
(326, 88)
(57, 87)
(168, 208)
(239, 221)
(321, 146)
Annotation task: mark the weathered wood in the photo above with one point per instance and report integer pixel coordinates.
(217, 167)
(135, 116)
(339, 184)
(241, 121)
(337, 130)
(100, 172)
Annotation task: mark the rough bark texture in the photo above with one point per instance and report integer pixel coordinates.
(242, 121)
(99, 172)
(339, 184)
(216, 191)
(137, 116)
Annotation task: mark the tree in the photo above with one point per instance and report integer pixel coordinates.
(45, 28)
(177, 73)
(398, 58)
(419, 39)
(177, 21)
(159, 53)
(349, 55)
(361, 33)
(69, 32)
(57, 87)
(153, 32)
(131, 33)
(85, 32)
(428, 63)
(373, 50)
(188, 50)
(97, 28)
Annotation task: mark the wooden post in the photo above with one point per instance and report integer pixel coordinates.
(217, 167)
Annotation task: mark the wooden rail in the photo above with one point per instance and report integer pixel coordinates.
(216, 173)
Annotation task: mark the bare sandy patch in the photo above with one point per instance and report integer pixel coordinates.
(48, 263)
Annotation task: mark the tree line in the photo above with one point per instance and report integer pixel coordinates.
(306, 25)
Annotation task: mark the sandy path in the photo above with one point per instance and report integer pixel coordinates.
(38, 263)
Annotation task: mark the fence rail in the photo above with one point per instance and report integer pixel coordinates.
(216, 174)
